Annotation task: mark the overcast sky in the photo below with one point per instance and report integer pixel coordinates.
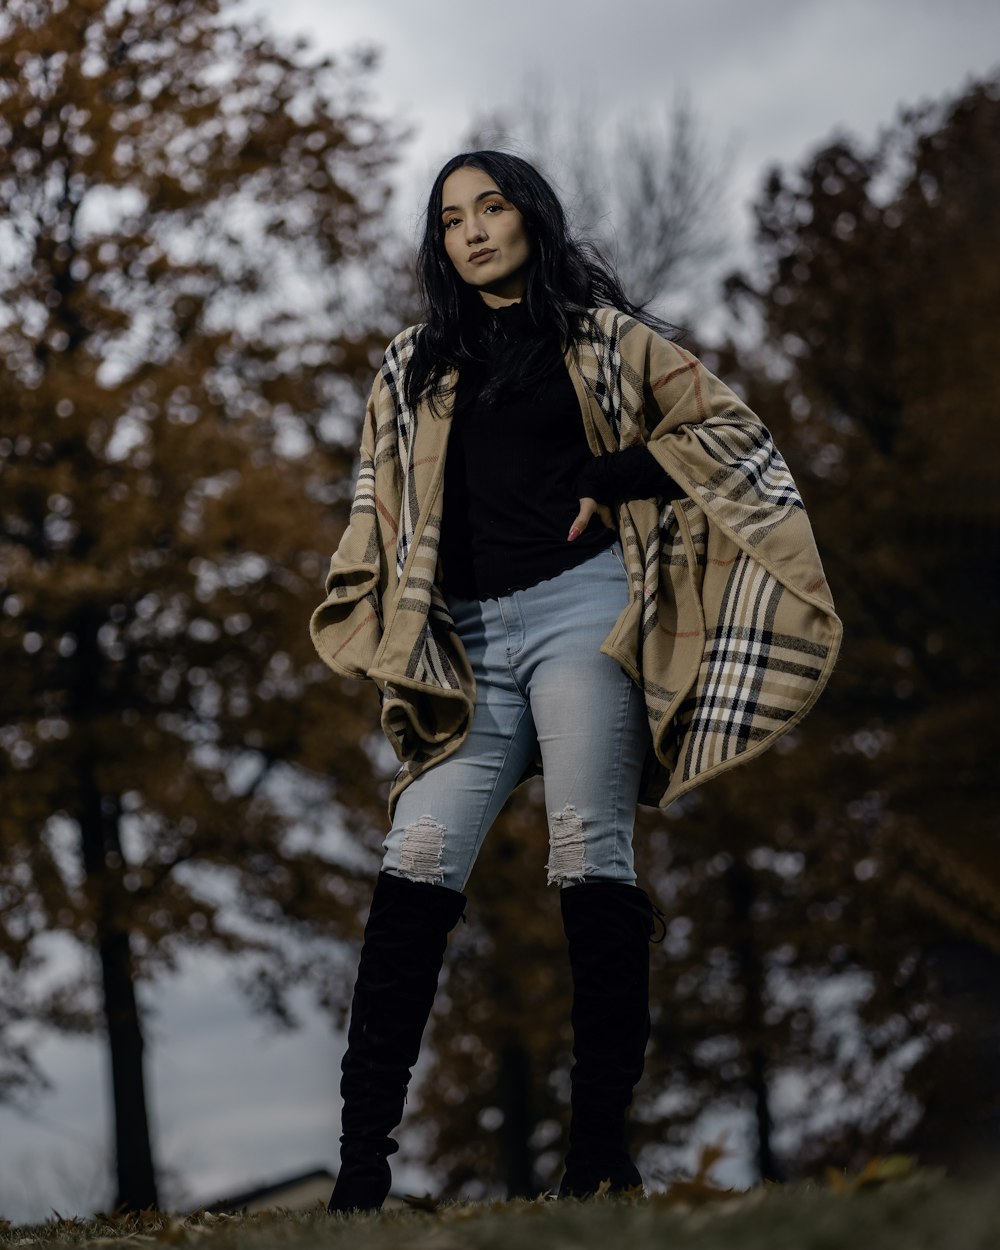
(769, 79)
(234, 1105)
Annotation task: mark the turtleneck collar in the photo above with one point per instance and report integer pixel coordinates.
(519, 307)
(513, 319)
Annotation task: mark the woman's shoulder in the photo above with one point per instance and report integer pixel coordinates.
(606, 313)
(617, 328)
(405, 340)
(608, 320)
(396, 357)
(625, 329)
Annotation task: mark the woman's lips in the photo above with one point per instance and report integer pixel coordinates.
(477, 258)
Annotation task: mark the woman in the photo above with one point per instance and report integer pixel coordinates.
(574, 550)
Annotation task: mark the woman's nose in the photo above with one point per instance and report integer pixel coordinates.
(474, 231)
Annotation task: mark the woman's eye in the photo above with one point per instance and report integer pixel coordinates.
(452, 221)
(494, 204)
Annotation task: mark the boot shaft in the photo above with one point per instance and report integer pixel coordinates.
(608, 926)
(405, 938)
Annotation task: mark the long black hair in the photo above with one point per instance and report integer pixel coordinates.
(566, 277)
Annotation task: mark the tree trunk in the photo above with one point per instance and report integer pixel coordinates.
(99, 816)
(742, 890)
(136, 1176)
(515, 1102)
(960, 1076)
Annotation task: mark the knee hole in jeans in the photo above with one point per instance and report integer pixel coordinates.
(566, 846)
(422, 850)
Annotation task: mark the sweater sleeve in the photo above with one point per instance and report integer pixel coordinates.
(618, 476)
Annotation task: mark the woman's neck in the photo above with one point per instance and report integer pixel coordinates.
(499, 301)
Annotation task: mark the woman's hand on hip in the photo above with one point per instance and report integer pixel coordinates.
(588, 507)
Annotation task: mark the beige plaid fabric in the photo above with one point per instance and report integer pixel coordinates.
(730, 631)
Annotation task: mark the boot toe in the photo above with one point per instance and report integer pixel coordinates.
(360, 1187)
(585, 1180)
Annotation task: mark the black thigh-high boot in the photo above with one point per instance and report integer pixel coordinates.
(405, 939)
(609, 925)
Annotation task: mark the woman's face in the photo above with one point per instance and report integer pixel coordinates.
(484, 236)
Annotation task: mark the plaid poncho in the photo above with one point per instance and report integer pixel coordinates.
(730, 631)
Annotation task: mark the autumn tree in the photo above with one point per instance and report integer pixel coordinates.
(190, 296)
(876, 285)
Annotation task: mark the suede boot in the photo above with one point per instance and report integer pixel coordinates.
(404, 944)
(609, 925)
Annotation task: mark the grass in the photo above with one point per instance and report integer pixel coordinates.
(892, 1205)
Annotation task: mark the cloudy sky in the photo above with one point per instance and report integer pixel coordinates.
(233, 1104)
(769, 79)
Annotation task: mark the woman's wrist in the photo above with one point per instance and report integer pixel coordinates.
(619, 476)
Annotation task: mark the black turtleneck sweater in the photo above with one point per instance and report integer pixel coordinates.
(515, 473)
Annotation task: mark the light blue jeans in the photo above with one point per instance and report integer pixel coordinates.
(542, 683)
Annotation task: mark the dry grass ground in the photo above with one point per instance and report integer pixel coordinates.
(890, 1206)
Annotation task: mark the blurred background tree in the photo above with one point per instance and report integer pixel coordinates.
(192, 296)
(877, 288)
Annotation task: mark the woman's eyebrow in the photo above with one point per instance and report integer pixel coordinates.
(483, 195)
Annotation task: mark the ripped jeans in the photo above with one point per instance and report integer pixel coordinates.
(542, 685)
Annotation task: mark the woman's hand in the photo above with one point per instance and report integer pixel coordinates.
(588, 507)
